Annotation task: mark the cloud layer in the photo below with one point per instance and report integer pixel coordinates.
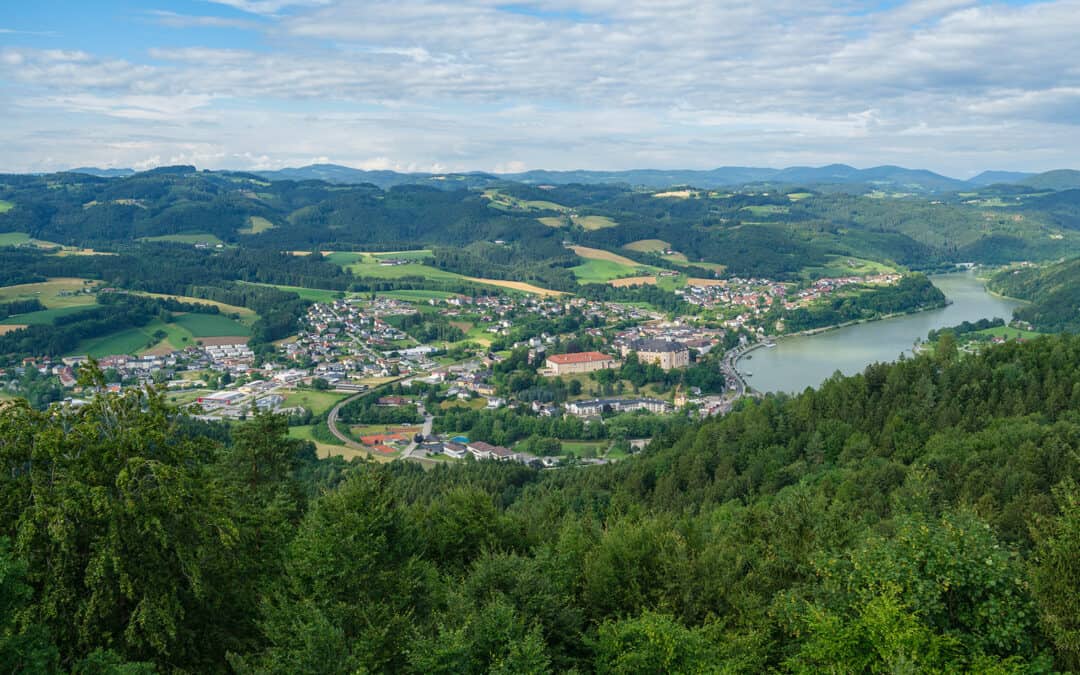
(952, 85)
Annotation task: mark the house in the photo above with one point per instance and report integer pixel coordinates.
(580, 362)
(454, 450)
(482, 450)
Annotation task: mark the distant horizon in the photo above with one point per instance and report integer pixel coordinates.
(541, 169)
(435, 86)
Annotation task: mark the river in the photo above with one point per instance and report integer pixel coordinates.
(808, 360)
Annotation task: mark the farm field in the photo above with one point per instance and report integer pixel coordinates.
(600, 254)
(313, 294)
(603, 271)
(515, 286)
(246, 315)
(318, 402)
(676, 194)
(48, 292)
(417, 295)
(552, 221)
(256, 224)
(634, 281)
(585, 448)
(5, 206)
(128, 341)
(44, 316)
(503, 201)
(210, 325)
(594, 222)
(648, 245)
(1009, 333)
(325, 449)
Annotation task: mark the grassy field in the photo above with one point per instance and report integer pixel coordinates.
(5, 206)
(129, 341)
(594, 222)
(799, 196)
(585, 448)
(417, 295)
(256, 224)
(318, 402)
(675, 194)
(313, 294)
(648, 245)
(553, 221)
(503, 201)
(845, 265)
(1009, 333)
(44, 316)
(197, 238)
(603, 271)
(323, 448)
(210, 325)
(48, 292)
(600, 254)
(246, 315)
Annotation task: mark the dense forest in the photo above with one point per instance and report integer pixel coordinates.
(1053, 292)
(911, 293)
(923, 516)
(770, 233)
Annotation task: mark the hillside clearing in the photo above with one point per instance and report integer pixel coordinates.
(633, 281)
(49, 292)
(648, 246)
(594, 222)
(256, 224)
(601, 254)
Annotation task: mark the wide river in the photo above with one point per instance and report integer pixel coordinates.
(808, 360)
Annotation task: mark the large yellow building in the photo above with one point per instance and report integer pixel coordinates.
(664, 353)
(581, 362)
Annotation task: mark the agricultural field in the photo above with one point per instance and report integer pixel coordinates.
(799, 196)
(43, 317)
(585, 448)
(313, 294)
(318, 402)
(520, 286)
(1009, 333)
(505, 202)
(5, 206)
(246, 315)
(676, 194)
(256, 224)
(648, 246)
(553, 221)
(48, 292)
(594, 222)
(192, 239)
(128, 341)
(601, 254)
(634, 281)
(845, 265)
(417, 295)
(603, 271)
(323, 448)
(210, 325)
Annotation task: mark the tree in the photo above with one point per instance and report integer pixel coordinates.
(1056, 575)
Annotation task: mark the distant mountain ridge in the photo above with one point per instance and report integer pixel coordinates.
(888, 177)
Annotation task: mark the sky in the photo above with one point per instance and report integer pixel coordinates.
(955, 86)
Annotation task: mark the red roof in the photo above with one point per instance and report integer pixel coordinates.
(377, 439)
(579, 357)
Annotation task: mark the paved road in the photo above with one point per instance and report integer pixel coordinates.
(425, 431)
(331, 421)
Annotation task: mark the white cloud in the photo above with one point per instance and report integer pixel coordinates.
(561, 83)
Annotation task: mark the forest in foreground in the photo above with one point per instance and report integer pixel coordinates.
(923, 516)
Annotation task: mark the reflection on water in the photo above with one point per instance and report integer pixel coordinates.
(806, 361)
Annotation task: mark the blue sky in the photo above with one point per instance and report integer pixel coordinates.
(952, 85)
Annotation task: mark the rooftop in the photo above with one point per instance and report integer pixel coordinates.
(579, 357)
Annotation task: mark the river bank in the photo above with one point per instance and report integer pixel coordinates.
(807, 359)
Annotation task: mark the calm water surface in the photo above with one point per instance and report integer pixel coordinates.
(806, 361)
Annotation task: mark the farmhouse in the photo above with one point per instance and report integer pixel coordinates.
(664, 353)
(581, 362)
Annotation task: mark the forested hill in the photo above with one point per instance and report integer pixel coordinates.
(920, 517)
(1053, 292)
(516, 229)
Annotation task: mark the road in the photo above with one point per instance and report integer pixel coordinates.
(425, 431)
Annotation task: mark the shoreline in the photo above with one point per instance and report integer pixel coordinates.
(825, 329)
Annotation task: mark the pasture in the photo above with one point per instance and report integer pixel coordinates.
(246, 315)
(49, 292)
(45, 316)
(594, 222)
(210, 325)
(505, 202)
(601, 254)
(318, 402)
(553, 221)
(846, 265)
(5, 206)
(256, 224)
(417, 295)
(648, 246)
